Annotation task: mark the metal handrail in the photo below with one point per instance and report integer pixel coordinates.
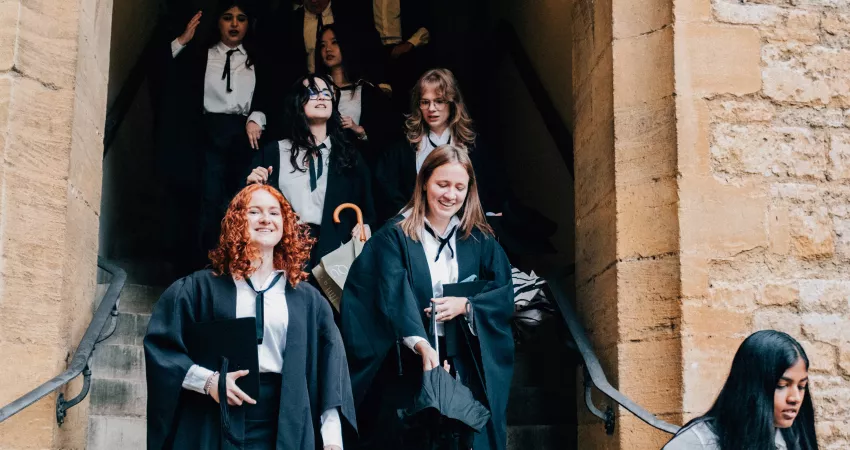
(80, 363)
(594, 376)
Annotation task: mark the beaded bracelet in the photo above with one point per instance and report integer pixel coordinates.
(208, 384)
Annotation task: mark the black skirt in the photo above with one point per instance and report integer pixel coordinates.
(261, 419)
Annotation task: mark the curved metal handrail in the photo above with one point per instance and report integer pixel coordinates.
(80, 363)
(595, 376)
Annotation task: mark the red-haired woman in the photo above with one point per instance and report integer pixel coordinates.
(261, 250)
(440, 238)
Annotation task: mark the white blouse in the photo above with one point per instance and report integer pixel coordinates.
(351, 103)
(243, 80)
(429, 143)
(295, 184)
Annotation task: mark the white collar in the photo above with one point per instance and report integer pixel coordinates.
(440, 139)
(223, 49)
(453, 222)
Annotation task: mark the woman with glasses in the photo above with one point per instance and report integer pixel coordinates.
(438, 116)
(316, 168)
(211, 114)
(365, 109)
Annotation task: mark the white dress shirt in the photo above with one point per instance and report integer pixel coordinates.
(295, 184)
(387, 16)
(443, 271)
(427, 145)
(700, 436)
(275, 324)
(311, 24)
(351, 103)
(243, 80)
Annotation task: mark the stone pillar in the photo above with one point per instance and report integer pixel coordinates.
(626, 209)
(54, 60)
(761, 95)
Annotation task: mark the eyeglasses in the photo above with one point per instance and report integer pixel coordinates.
(324, 94)
(439, 103)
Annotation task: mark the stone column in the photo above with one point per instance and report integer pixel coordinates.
(627, 232)
(54, 61)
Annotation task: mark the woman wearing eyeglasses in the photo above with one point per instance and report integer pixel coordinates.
(316, 168)
(438, 116)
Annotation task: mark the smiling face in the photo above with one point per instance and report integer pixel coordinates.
(789, 394)
(446, 191)
(232, 25)
(319, 106)
(265, 223)
(435, 108)
(330, 52)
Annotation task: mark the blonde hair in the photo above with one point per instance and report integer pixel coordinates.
(446, 85)
(471, 213)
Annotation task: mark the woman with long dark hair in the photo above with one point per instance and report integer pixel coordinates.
(440, 238)
(316, 168)
(304, 396)
(438, 116)
(765, 403)
(214, 114)
(364, 108)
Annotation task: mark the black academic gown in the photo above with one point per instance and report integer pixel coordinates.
(345, 185)
(314, 375)
(387, 289)
(379, 121)
(395, 178)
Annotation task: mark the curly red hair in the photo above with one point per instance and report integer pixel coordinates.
(234, 253)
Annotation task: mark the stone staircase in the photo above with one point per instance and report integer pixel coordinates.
(541, 411)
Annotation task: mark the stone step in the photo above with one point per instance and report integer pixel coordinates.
(118, 362)
(119, 398)
(542, 437)
(111, 433)
(541, 406)
(130, 330)
(139, 299)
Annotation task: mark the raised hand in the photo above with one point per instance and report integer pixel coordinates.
(259, 175)
(189, 32)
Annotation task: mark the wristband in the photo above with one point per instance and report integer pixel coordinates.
(208, 384)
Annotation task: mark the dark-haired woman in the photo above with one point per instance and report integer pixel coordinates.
(316, 168)
(214, 114)
(441, 238)
(438, 116)
(364, 108)
(765, 403)
(304, 399)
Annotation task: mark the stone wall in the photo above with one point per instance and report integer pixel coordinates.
(763, 93)
(54, 58)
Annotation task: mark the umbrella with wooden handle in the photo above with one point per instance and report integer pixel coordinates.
(359, 217)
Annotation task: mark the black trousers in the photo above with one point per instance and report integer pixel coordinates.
(226, 156)
(261, 419)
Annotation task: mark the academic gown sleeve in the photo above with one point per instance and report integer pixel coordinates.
(166, 359)
(393, 188)
(335, 383)
(378, 308)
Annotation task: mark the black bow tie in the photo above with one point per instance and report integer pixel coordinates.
(226, 73)
(259, 299)
(444, 242)
(315, 172)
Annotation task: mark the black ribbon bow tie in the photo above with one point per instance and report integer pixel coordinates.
(226, 73)
(315, 172)
(259, 300)
(444, 242)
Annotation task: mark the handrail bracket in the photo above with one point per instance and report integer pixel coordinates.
(62, 405)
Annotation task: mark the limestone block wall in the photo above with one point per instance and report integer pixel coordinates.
(54, 59)
(763, 91)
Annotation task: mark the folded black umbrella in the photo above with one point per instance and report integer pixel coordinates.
(444, 415)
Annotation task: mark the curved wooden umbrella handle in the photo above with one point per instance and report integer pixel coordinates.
(359, 217)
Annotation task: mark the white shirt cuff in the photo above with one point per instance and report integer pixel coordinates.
(411, 341)
(176, 48)
(331, 428)
(420, 38)
(259, 118)
(196, 378)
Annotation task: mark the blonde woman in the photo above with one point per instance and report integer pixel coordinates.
(438, 116)
(440, 238)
